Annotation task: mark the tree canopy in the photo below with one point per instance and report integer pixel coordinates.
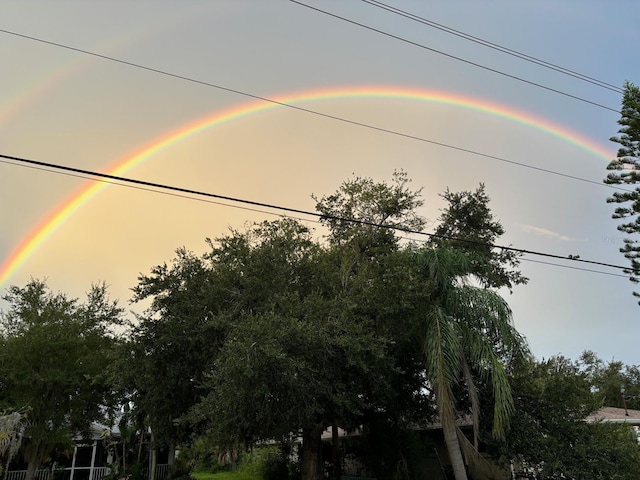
(274, 333)
(467, 224)
(549, 437)
(52, 363)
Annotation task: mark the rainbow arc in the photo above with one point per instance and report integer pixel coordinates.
(59, 215)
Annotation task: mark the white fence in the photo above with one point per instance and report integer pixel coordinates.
(97, 473)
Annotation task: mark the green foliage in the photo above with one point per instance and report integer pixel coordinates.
(273, 332)
(172, 346)
(53, 362)
(549, 435)
(469, 219)
(371, 204)
(625, 170)
(613, 383)
(291, 355)
(467, 336)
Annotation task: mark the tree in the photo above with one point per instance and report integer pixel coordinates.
(549, 438)
(625, 170)
(377, 285)
(612, 383)
(367, 213)
(53, 361)
(295, 357)
(467, 334)
(468, 224)
(302, 334)
(171, 347)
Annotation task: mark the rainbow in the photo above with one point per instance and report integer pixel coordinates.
(57, 217)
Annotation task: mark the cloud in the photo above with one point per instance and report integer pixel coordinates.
(548, 233)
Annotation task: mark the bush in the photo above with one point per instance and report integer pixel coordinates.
(275, 467)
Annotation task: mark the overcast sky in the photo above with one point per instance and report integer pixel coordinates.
(66, 107)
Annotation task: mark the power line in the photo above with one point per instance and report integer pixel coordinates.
(576, 268)
(495, 46)
(266, 212)
(460, 59)
(315, 112)
(296, 210)
(136, 187)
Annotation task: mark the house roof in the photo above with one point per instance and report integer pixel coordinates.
(615, 415)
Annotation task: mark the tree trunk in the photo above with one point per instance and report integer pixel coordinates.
(453, 448)
(172, 453)
(153, 462)
(34, 454)
(335, 451)
(312, 453)
(32, 466)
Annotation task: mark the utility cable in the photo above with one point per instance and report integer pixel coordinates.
(494, 46)
(266, 212)
(576, 268)
(460, 59)
(317, 113)
(299, 211)
(144, 189)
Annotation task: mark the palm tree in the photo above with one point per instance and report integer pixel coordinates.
(467, 333)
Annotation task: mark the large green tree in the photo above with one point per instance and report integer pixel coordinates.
(171, 347)
(302, 334)
(549, 438)
(625, 170)
(53, 361)
(378, 286)
(295, 357)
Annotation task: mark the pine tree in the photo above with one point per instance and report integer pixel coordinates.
(625, 170)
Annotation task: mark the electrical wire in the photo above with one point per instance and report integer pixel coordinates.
(494, 46)
(136, 187)
(266, 212)
(460, 59)
(297, 211)
(317, 113)
(576, 268)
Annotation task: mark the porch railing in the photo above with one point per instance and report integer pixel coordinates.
(44, 474)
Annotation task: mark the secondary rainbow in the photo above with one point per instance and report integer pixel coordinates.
(54, 219)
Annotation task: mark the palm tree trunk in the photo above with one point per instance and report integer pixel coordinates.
(453, 447)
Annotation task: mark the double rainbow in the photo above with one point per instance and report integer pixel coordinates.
(57, 217)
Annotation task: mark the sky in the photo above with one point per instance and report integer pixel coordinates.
(66, 107)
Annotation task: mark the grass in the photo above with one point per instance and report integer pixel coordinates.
(239, 474)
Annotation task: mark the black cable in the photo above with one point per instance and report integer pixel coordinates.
(298, 211)
(576, 268)
(204, 200)
(264, 211)
(460, 59)
(269, 213)
(177, 195)
(320, 114)
(495, 46)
